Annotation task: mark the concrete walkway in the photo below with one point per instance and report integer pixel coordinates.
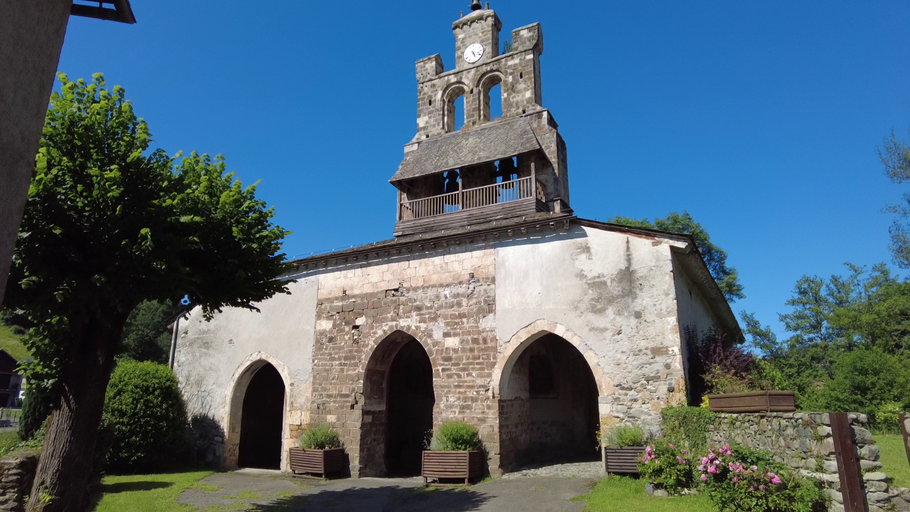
(272, 492)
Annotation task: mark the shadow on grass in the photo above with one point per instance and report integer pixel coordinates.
(385, 499)
(132, 486)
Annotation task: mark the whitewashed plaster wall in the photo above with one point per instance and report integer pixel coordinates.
(212, 357)
(616, 292)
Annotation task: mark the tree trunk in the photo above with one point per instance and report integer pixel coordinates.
(67, 460)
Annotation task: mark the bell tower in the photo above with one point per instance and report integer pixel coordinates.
(492, 168)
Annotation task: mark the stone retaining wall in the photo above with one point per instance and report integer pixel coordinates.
(16, 476)
(804, 442)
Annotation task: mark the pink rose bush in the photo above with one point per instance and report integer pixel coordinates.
(667, 467)
(736, 479)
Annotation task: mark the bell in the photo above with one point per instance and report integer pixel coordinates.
(475, 5)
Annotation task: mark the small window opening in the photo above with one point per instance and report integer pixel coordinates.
(521, 76)
(430, 103)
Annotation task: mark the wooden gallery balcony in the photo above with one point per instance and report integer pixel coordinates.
(469, 206)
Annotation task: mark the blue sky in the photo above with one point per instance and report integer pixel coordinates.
(761, 119)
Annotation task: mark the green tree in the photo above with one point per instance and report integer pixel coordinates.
(866, 308)
(145, 335)
(109, 224)
(896, 158)
(727, 278)
(865, 379)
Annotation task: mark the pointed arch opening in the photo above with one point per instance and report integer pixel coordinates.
(398, 407)
(548, 406)
(261, 418)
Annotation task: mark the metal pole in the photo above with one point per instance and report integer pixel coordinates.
(170, 361)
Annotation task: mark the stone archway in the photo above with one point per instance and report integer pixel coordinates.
(262, 420)
(398, 407)
(259, 376)
(548, 407)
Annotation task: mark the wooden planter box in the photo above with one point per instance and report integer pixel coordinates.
(622, 460)
(451, 465)
(756, 401)
(317, 462)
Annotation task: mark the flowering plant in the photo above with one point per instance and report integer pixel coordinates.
(667, 467)
(736, 484)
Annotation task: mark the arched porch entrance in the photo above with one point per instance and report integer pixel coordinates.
(398, 407)
(262, 419)
(548, 406)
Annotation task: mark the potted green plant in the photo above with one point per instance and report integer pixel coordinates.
(623, 445)
(453, 453)
(320, 452)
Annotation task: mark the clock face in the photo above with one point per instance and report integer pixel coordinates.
(473, 53)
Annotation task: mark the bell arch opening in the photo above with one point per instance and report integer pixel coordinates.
(491, 104)
(454, 115)
(398, 407)
(262, 419)
(548, 409)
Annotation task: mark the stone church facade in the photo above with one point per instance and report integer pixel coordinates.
(494, 303)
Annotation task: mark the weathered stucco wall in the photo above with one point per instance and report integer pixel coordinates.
(693, 310)
(615, 292)
(213, 359)
(31, 36)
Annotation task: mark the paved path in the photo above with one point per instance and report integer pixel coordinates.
(273, 492)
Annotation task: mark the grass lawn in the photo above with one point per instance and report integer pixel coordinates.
(11, 344)
(894, 459)
(146, 493)
(628, 495)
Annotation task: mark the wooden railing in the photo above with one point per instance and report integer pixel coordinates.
(497, 193)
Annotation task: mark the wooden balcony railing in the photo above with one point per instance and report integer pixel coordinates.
(497, 193)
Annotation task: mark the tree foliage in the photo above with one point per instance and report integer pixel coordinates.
(727, 277)
(110, 223)
(865, 310)
(895, 156)
(867, 379)
(145, 335)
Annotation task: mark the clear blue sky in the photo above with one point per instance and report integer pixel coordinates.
(762, 119)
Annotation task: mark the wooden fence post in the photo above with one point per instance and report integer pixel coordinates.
(851, 487)
(905, 432)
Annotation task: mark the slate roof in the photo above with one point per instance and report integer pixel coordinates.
(496, 140)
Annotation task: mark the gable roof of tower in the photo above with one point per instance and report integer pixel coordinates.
(500, 139)
(688, 257)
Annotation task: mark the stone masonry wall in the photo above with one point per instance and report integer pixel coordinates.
(17, 473)
(445, 300)
(804, 442)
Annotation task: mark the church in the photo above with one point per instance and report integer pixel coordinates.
(493, 303)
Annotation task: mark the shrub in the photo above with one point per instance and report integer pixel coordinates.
(686, 426)
(667, 466)
(622, 436)
(35, 409)
(319, 437)
(886, 418)
(145, 417)
(455, 436)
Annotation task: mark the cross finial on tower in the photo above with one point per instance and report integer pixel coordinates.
(475, 5)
